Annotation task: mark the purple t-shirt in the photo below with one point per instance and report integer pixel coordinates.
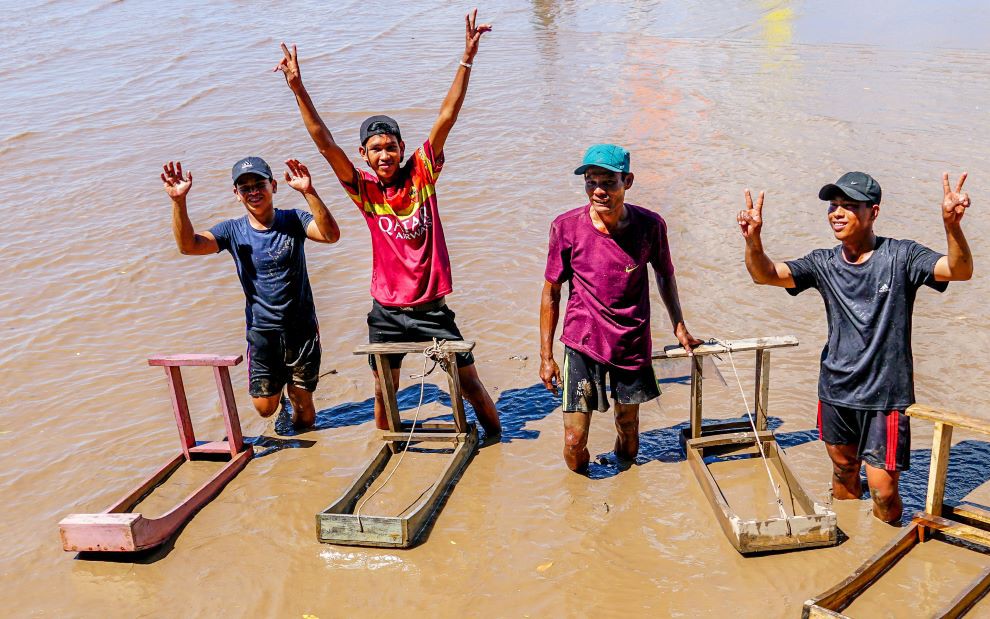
(608, 308)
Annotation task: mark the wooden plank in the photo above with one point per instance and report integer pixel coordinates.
(347, 501)
(957, 420)
(723, 514)
(953, 529)
(145, 487)
(429, 437)
(967, 597)
(388, 392)
(762, 389)
(711, 348)
(213, 447)
(228, 408)
(968, 514)
(177, 360)
(180, 408)
(418, 520)
(736, 438)
(843, 594)
(408, 347)
(941, 446)
(456, 399)
(696, 390)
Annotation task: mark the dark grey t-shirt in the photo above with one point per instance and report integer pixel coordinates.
(867, 363)
(271, 265)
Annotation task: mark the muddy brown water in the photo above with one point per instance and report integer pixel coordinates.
(710, 97)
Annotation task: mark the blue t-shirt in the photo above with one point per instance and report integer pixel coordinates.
(271, 265)
(867, 362)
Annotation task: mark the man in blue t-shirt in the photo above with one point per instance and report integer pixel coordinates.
(869, 284)
(267, 246)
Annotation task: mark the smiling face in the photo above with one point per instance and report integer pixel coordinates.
(606, 190)
(851, 220)
(384, 153)
(256, 193)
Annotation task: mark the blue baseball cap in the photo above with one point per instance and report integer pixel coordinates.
(608, 156)
(251, 165)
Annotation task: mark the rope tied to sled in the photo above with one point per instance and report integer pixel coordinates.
(436, 354)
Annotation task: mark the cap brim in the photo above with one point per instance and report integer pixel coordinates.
(829, 191)
(255, 172)
(584, 168)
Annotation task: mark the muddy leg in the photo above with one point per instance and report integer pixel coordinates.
(477, 395)
(266, 406)
(845, 471)
(381, 420)
(303, 410)
(576, 454)
(887, 505)
(627, 428)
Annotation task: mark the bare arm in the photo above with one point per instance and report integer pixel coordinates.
(455, 96)
(323, 228)
(549, 315)
(334, 154)
(761, 268)
(186, 238)
(957, 264)
(672, 301)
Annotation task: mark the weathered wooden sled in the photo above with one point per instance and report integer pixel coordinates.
(339, 523)
(945, 523)
(807, 523)
(118, 529)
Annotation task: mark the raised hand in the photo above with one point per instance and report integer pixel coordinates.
(289, 66)
(472, 34)
(175, 186)
(298, 177)
(954, 203)
(751, 220)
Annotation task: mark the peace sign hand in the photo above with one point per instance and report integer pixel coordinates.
(472, 34)
(954, 203)
(175, 186)
(289, 66)
(298, 176)
(751, 220)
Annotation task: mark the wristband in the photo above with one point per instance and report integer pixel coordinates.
(466, 64)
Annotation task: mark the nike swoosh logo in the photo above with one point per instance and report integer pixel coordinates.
(630, 269)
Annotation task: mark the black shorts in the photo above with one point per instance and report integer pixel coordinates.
(392, 324)
(584, 383)
(278, 357)
(883, 438)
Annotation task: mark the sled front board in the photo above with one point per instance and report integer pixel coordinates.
(338, 524)
(815, 527)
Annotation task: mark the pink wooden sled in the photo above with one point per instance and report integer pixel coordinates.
(118, 529)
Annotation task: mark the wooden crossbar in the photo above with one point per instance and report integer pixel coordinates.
(391, 348)
(744, 345)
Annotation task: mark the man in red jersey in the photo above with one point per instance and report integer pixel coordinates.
(411, 270)
(604, 249)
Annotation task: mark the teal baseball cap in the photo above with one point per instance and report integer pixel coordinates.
(608, 156)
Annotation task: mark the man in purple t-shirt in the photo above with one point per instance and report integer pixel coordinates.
(603, 249)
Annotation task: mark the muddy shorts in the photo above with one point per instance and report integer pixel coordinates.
(584, 383)
(276, 358)
(883, 438)
(413, 324)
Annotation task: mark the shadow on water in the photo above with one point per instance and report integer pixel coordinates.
(969, 468)
(664, 445)
(516, 408)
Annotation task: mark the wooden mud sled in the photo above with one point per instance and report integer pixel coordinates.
(343, 522)
(965, 525)
(118, 529)
(800, 522)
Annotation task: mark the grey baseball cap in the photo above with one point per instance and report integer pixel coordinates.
(858, 186)
(379, 125)
(251, 165)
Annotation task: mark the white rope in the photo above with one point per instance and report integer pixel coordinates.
(433, 353)
(749, 415)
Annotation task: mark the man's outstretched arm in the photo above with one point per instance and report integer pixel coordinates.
(957, 264)
(455, 97)
(186, 238)
(672, 301)
(334, 154)
(761, 268)
(549, 315)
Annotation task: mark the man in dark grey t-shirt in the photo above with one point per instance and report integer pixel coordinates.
(267, 247)
(869, 284)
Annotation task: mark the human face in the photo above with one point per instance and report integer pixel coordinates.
(606, 190)
(255, 193)
(383, 152)
(851, 220)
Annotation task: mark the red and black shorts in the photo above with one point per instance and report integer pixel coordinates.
(883, 438)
